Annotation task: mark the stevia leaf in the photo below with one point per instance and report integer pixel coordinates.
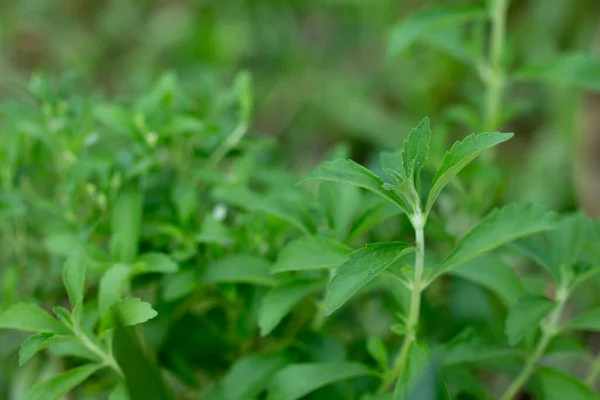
(539, 252)
(142, 376)
(422, 22)
(579, 70)
(112, 285)
(525, 315)
(29, 317)
(498, 228)
(297, 380)
(32, 345)
(494, 274)
(132, 311)
(119, 393)
(412, 373)
(557, 385)
(377, 350)
(155, 263)
(340, 203)
(362, 266)
(240, 268)
(73, 274)
(278, 302)
(347, 171)
(249, 376)
(566, 241)
(416, 149)
(310, 252)
(60, 385)
(459, 156)
(588, 321)
(288, 210)
(126, 218)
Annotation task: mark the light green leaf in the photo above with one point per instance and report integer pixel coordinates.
(579, 70)
(29, 317)
(377, 350)
(416, 149)
(119, 393)
(494, 274)
(310, 252)
(347, 171)
(240, 268)
(340, 203)
(557, 385)
(498, 228)
(32, 345)
(112, 285)
(421, 22)
(461, 154)
(155, 263)
(525, 315)
(134, 311)
(298, 380)
(278, 302)
(60, 385)
(362, 266)
(566, 241)
(126, 219)
(249, 376)
(588, 321)
(73, 275)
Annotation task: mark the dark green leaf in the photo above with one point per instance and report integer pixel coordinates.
(557, 385)
(240, 268)
(310, 252)
(461, 154)
(498, 228)
(278, 302)
(250, 376)
(579, 70)
(298, 380)
(378, 351)
(525, 316)
(588, 321)
(362, 266)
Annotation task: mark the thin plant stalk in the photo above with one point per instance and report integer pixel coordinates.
(594, 373)
(416, 287)
(549, 329)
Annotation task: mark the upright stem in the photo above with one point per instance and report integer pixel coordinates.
(594, 373)
(549, 330)
(415, 304)
(494, 78)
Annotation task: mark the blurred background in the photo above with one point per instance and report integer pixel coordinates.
(323, 72)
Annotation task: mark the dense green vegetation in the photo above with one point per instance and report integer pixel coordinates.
(274, 218)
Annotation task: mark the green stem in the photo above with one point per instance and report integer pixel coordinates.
(106, 358)
(494, 77)
(415, 304)
(594, 373)
(230, 142)
(549, 330)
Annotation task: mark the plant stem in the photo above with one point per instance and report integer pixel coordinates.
(594, 373)
(494, 78)
(415, 304)
(549, 330)
(230, 142)
(107, 358)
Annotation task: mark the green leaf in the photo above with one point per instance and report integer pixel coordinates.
(288, 210)
(132, 311)
(498, 228)
(340, 203)
(557, 385)
(298, 380)
(278, 302)
(310, 252)
(155, 263)
(126, 219)
(119, 393)
(29, 317)
(588, 321)
(377, 350)
(112, 285)
(73, 275)
(416, 149)
(409, 380)
(347, 171)
(421, 22)
(142, 376)
(240, 268)
(539, 252)
(579, 70)
(494, 274)
(362, 266)
(249, 376)
(566, 241)
(60, 385)
(32, 345)
(461, 154)
(525, 315)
